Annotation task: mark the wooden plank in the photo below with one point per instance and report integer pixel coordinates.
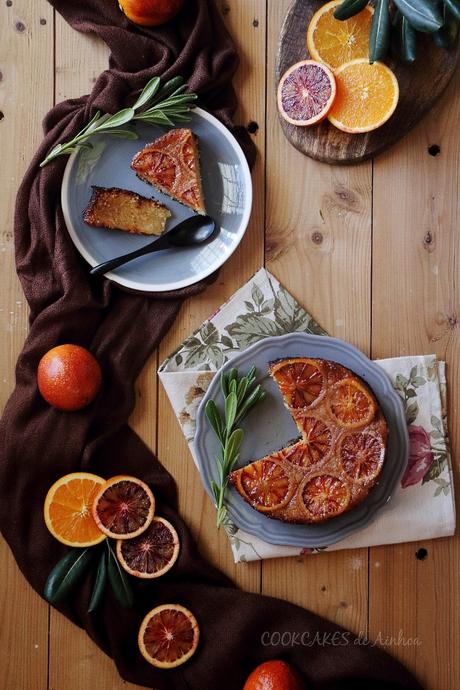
(75, 661)
(26, 93)
(318, 226)
(246, 21)
(415, 311)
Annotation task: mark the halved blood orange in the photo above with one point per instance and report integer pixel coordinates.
(325, 496)
(168, 636)
(123, 507)
(352, 404)
(265, 484)
(67, 509)
(306, 93)
(362, 455)
(151, 554)
(317, 439)
(300, 381)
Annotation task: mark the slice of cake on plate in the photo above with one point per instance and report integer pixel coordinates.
(172, 165)
(120, 209)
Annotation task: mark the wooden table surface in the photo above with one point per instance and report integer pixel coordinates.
(371, 251)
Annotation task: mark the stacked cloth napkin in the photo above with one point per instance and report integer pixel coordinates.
(423, 505)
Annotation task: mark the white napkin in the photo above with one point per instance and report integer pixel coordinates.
(423, 505)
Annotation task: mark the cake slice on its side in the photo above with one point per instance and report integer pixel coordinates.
(172, 164)
(120, 209)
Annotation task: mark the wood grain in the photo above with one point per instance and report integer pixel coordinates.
(420, 85)
(26, 60)
(318, 243)
(415, 310)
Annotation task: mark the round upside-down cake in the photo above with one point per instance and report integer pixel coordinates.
(340, 455)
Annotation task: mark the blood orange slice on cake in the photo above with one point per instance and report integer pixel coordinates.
(172, 164)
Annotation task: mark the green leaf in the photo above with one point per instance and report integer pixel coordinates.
(66, 574)
(148, 92)
(213, 417)
(422, 15)
(408, 41)
(231, 404)
(379, 41)
(119, 580)
(453, 7)
(99, 583)
(242, 389)
(120, 133)
(349, 8)
(232, 448)
(117, 120)
(92, 124)
(170, 87)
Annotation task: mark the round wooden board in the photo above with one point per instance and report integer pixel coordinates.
(420, 85)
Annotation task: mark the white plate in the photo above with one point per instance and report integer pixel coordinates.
(228, 198)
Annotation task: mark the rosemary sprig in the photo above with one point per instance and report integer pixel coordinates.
(240, 396)
(165, 106)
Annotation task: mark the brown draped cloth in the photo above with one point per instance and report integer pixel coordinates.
(40, 444)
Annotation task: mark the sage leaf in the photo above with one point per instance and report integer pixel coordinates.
(231, 403)
(119, 133)
(232, 448)
(422, 15)
(213, 416)
(119, 580)
(454, 8)
(148, 92)
(349, 8)
(66, 574)
(99, 583)
(379, 40)
(171, 87)
(92, 124)
(120, 118)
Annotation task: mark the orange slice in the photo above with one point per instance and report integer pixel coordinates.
(317, 439)
(335, 42)
(325, 496)
(306, 93)
(367, 96)
(362, 456)
(168, 636)
(67, 509)
(352, 404)
(151, 554)
(300, 381)
(123, 507)
(265, 485)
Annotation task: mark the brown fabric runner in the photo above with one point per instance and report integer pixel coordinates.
(40, 444)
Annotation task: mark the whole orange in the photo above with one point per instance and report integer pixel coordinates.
(150, 12)
(274, 675)
(69, 377)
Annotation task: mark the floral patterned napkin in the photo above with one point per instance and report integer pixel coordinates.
(423, 505)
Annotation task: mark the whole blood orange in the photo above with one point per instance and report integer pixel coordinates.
(274, 675)
(150, 12)
(306, 93)
(69, 377)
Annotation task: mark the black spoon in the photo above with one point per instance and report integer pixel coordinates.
(194, 230)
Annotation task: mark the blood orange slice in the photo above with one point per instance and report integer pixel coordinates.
(300, 381)
(325, 496)
(151, 554)
(168, 636)
(352, 404)
(123, 508)
(362, 455)
(67, 509)
(306, 93)
(265, 485)
(317, 439)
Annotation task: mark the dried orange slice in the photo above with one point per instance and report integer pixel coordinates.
(306, 93)
(67, 509)
(362, 455)
(352, 404)
(367, 96)
(325, 496)
(151, 554)
(123, 507)
(300, 381)
(335, 42)
(265, 484)
(168, 636)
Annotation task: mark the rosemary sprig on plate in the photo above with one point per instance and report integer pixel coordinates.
(165, 105)
(240, 396)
